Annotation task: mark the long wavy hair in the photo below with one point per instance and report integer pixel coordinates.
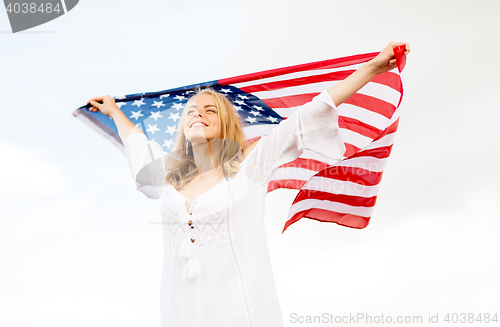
(230, 139)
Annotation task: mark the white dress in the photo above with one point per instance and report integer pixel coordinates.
(217, 269)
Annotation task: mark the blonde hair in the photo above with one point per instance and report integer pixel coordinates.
(230, 138)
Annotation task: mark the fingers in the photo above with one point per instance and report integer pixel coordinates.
(393, 45)
(96, 102)
(94, 105)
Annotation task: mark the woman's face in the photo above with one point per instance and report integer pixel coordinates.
(202, 119)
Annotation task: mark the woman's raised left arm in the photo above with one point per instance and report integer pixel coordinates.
(382, 63)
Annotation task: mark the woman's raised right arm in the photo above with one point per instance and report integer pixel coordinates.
(108, 107)
(146, 158)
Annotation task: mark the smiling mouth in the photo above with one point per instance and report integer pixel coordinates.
(198, 124)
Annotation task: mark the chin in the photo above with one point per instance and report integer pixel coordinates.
(199, 137)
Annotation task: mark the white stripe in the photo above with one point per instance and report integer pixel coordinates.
(382, 92)
(290, 76)
(368, 163)
(356, 139)
(330, 206)
(366, 116)
(295, 90)
(325, 184)
(286, 112)
(387, 140)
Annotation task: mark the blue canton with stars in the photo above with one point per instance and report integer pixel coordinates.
(157, 114)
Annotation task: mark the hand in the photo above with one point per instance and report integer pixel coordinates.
(107, 107)
(385, 60)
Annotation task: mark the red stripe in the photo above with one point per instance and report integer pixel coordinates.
(325, 64)
(359, 127)
(380, 153)
(271, 86)
(351, 174)
(343, 219)
(355, 201)
(290, 101)
(389, 130)
(390, 79)
(373, 104)
(350, 150)
(293, 184)
(348, 61)
(310, 164)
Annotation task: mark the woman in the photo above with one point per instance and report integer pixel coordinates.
(217, 270)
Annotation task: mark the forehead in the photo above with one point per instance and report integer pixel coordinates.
(200, 101)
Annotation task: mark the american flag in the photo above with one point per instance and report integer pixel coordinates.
(343, 192)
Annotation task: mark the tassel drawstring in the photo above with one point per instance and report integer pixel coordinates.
(192, 269)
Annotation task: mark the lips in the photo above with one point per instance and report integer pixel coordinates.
(198, 123)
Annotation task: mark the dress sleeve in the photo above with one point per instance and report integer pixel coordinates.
(313, 127)
(149, 174)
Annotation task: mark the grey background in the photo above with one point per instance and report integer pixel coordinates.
(77, 245)
(23, 17)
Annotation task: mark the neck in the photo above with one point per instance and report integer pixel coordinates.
(207, 155)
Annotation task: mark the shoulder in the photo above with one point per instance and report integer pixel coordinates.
(249, 148)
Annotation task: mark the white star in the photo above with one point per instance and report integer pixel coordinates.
(251, 119)
(138, 103)
(258, 108)
(238, 108)
(158, 104)
(168, 143)
(179, 97)
(240, 102)
(272, 119)
(120, 104)
(152, 128)
(241, 96)
(136, 114)
(255, 113)
(177, 106)
(225, 90)
(174, 117)
(187, 92)
(171, 130)
(164, 96)
(155, 115)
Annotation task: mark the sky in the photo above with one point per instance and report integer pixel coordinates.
(78, 242)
